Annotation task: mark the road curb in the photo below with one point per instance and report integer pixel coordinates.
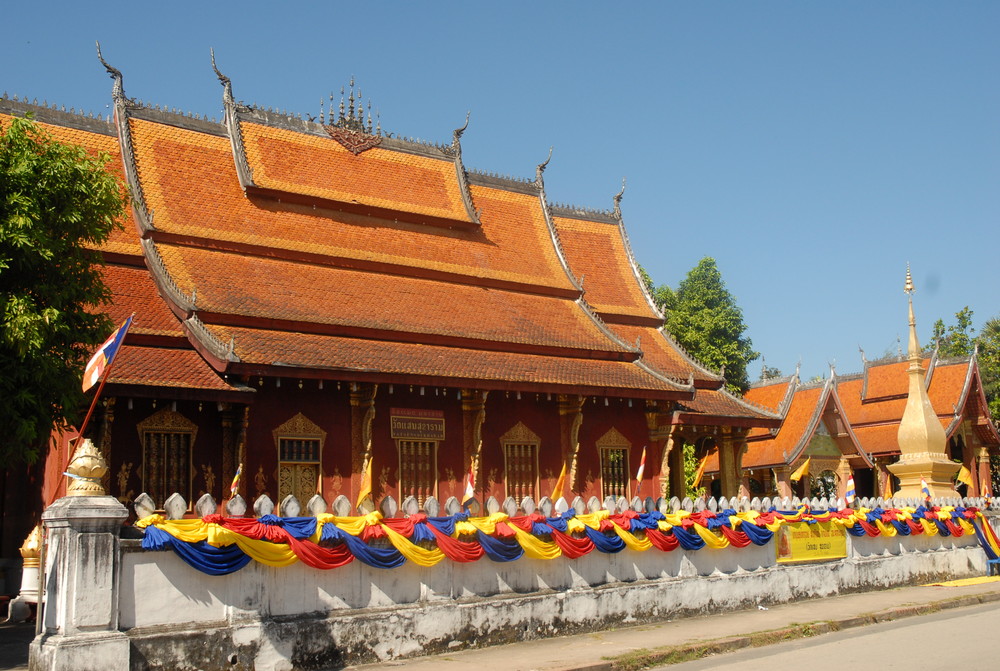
(643, 659)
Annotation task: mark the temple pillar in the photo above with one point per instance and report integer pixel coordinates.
(844, 473)
(473, 416)
(984, 477)
(79, 625)
(362, 398)
(740, 448)
(781, 476)
(570, 419)
(728, 477)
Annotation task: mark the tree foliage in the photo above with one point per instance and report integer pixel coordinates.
(956, 340)
(706, 321)
(57, 202)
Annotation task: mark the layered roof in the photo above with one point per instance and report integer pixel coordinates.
(333, 251)
(597, 250)
(874, 400)
(157, 354)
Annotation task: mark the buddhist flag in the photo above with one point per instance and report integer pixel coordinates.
(560, 483)
(470, 485)
(234, 487)
(366, 483)
(642, 469)
(887, 492)
(925, 489)
(964, 476)
(104, 356)
(850, 493)
(698, 474)
(801, 470)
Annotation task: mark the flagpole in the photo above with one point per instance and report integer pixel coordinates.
(104, 379)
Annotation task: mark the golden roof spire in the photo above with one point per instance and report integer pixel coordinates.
(913, 349)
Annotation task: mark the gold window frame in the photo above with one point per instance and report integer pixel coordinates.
(299, 427)
(167, 421)
(520, 435)
(614, 440)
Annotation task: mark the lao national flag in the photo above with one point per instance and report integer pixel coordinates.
(102, 357)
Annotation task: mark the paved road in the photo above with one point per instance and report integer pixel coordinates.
(964, 638)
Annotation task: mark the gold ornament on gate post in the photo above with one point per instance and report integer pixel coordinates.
(85, 470)
(31, 548)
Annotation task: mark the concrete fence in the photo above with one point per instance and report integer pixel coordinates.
(112, 605)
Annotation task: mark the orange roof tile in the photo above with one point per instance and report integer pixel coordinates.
(165, 367)
(799, 424)
(661, 353)
(133, 290)
(720, 403)
(190, 184)
(238, 284)
(311, 165)
(596, 251)
(361, 356)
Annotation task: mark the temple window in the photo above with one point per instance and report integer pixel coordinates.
(417, 469)
(299, 442)
(520, 453)
(167, 440)
(614, 448)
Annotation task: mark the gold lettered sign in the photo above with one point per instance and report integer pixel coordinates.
(416, 424)
(804, 542)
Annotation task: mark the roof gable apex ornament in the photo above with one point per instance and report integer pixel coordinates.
(456, 135)
(227, 84)
(540, 168)
(618, 201)
(118, 90)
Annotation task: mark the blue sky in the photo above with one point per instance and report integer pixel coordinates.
(812, 149)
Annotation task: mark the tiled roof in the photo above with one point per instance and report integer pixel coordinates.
(122, 240)
(482, 368)
(133, 291)
(596, 251)
(887, 379)
(190, 184)
(310, 165)
(165, 367)
(252, 286)
(720, 403)
(661, 353)
(799, 424)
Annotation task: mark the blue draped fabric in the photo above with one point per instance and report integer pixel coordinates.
(902, 528)
(422, 533)
(689, 540)
(446, 525)
(560, 523)
(540, 529)
(499, 550)
(646, 521)
(757, 535)
(199, 555)
(297, 527)
(942, 528)
(607, 544)
(856, 530)
(375, 557)
(987, 548)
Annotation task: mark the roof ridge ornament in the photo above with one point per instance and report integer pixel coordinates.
(351, 128)
(456, 135)
(540, 168)
(118, 91)
(618, 201)
(227, 84)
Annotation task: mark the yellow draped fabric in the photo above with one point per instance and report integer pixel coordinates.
(413, 552)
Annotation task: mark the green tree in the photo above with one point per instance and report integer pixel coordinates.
(989, 363)
(57, 202)
(691, 463)
(663, 296)
(956, 340)
(706, 321)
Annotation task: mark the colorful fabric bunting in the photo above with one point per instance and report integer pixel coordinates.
(218, 545)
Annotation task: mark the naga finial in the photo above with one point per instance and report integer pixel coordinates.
(227, 84)
(118, 91)
(457, 133)
(618, 200)
(542, 166)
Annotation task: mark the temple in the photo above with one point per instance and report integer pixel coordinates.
(316, 297)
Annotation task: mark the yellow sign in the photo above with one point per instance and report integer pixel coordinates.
(804, 542)
(416, 424)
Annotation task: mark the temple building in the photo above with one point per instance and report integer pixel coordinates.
(315, 296)
(847, 426)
